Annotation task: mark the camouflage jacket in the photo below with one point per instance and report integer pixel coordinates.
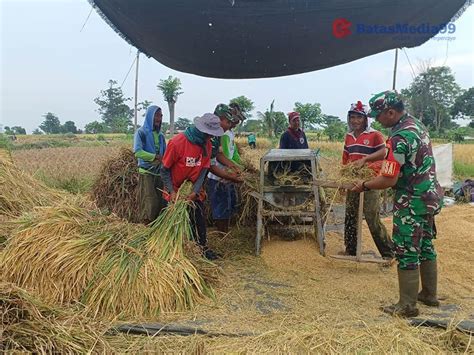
(417, 191)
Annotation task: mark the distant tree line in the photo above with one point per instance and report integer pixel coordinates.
(433, 96)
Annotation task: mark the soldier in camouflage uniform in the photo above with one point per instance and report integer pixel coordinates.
(409, 168)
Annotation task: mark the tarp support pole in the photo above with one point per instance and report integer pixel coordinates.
(136, 93)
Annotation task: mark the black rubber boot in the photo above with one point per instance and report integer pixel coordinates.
(408, 284)
(429, 283)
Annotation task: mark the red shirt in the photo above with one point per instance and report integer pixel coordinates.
(185, 160)
(366, 143)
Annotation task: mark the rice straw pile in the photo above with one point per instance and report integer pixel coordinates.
(67, 254)
(29, 325)
(150, 274)
(5, 155)
(116, 187)
(247, 203)
(56, 250)
(19, 191)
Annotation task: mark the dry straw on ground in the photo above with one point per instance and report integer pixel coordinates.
(5, 155)
(29, 325)
(19, 192)
(152, 273)
(68, 254)
(293, 300)
(68, 251)
(116, 187)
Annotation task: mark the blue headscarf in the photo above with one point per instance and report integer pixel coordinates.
(144, 137)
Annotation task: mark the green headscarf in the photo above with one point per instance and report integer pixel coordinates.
(197, 137)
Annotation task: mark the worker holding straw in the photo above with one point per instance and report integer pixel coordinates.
(149, 145)
(222, 191)
(362, 142)
(226, 169)
(409, 168)
(188, 157)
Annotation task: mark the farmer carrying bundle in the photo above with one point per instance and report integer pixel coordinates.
(188, 157)
(364, 145)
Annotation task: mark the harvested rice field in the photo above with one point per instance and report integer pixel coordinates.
(72, 168)
(290, 299)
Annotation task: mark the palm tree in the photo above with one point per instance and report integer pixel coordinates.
(171, 89)
(268, 119)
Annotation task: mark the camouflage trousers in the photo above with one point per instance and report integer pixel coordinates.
(413, 238)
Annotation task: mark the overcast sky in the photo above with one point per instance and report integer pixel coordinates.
(48, 64)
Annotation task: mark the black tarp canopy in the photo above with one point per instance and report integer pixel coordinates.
(268, 38)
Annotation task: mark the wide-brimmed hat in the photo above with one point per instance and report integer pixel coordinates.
(210, 124)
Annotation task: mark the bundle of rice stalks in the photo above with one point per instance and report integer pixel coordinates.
(55, 250)
(247, 202)
(151, 273)
(351, 173)
(32, 326)
(116, 187)
(19, 191)
(69, 254)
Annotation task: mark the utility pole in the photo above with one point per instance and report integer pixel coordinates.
(385, 194)
(136, 93)
(395, 69)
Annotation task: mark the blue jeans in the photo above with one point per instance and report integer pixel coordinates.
(223, 199)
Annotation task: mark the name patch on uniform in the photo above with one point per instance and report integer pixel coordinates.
(390, 168)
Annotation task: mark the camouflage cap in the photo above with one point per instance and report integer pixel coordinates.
(223, 110)
(384, 100)
(237, 112)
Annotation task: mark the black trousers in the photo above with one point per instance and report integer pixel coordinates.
(198, 223)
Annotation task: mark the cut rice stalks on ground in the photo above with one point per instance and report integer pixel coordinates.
(355, 337)
(247, 203)
(19, 191)
(116, 188)
(5, 155)
(69, 254)
(151, 274)
(29, 325)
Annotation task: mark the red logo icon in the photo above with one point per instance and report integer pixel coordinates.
(341, 28)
